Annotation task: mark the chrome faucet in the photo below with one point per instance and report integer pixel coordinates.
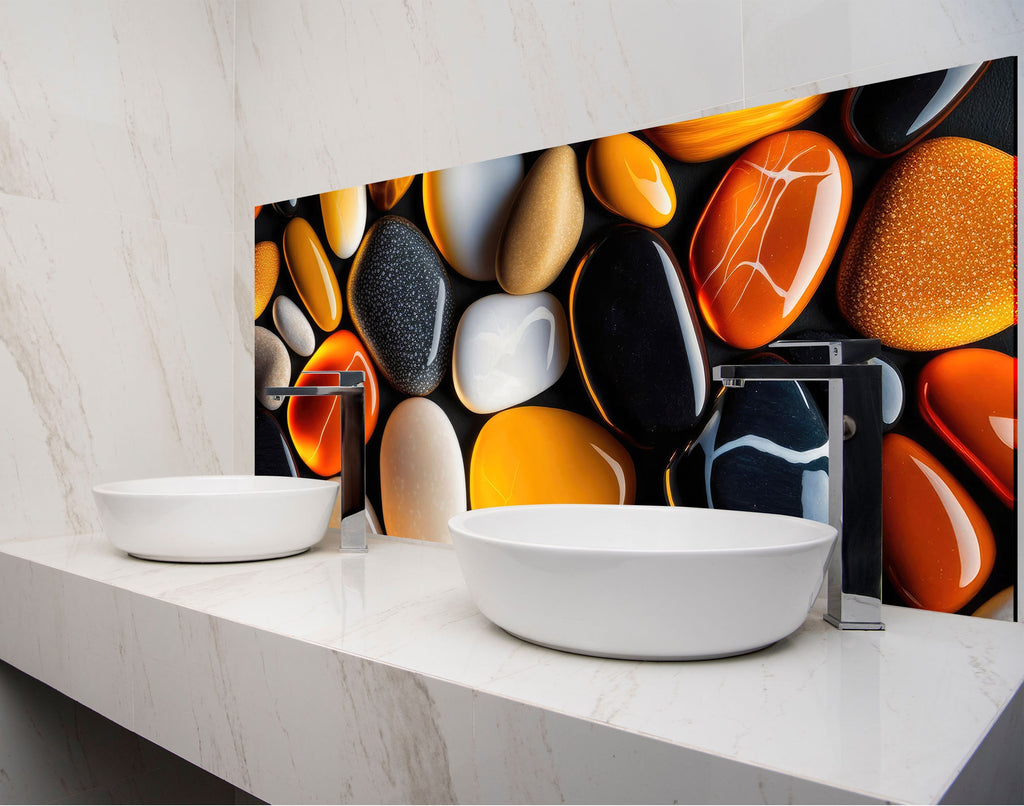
(349, 390)
(854, 466)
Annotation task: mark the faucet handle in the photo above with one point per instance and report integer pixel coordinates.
(345, 378)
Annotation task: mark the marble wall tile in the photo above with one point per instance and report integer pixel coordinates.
(115, 338)
(435, 84)
(120, 106)
(242, 337)
(809, 46)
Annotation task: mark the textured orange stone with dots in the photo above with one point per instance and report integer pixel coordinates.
(268, 267)
(930, 264)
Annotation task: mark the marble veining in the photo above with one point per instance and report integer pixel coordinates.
(103, 362)
(412, 694)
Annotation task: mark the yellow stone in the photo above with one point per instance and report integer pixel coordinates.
(312, 274)
(344, 214)
(715, 136)
(268, 266)
(931, 262)
(629, 179)
(544, 224)
(539, 455)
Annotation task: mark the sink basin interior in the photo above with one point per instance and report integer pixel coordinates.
(642, 582)
(215, 518)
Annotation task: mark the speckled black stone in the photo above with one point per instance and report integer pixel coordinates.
(782, 420)
(636, 337)
(400, 298)
(273, 453)
(886, 118)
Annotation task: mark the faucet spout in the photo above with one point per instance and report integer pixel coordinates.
(349, 389)
(855, 466)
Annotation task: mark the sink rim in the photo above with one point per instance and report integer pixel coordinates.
(817, 533)
(265, 485)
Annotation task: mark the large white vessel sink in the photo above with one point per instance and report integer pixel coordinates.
(209, 519)
(642, 582)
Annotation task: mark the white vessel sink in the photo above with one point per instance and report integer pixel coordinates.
(210, 519)
(642, 582)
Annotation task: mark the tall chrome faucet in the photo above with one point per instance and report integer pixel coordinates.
(349, 391)
(854, 466)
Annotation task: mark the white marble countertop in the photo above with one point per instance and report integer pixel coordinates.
(373, 678)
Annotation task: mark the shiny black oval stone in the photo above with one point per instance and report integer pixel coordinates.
(763, 448)
(636, 338)
(889, 117)
(400, 299)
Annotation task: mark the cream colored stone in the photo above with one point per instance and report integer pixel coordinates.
(273, 367)
(293, 326)
(422, 476)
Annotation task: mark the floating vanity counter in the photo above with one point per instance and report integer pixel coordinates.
(373, 678)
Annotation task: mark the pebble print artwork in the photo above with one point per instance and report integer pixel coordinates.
(543, 326)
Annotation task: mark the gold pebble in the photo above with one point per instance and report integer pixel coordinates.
(544, 224)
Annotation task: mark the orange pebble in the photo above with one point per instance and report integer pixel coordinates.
(315, 422)
(387, 194)
(538, 455)
(268, 267)
(968, 397)
(768, 235)
(312, 273)
(629, 179)
(931, 263)
(938, 548)
(717, 135)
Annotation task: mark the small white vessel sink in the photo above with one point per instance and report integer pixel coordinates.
(642, 582)
(211, 519)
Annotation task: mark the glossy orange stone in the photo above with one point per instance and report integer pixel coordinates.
(630, 180)
(967, 397)
(312, 273)
(938, 549)
(538, 455)
(268, 267)
(387, 194)
(768, 234)
(315, 422)
(717, 135)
